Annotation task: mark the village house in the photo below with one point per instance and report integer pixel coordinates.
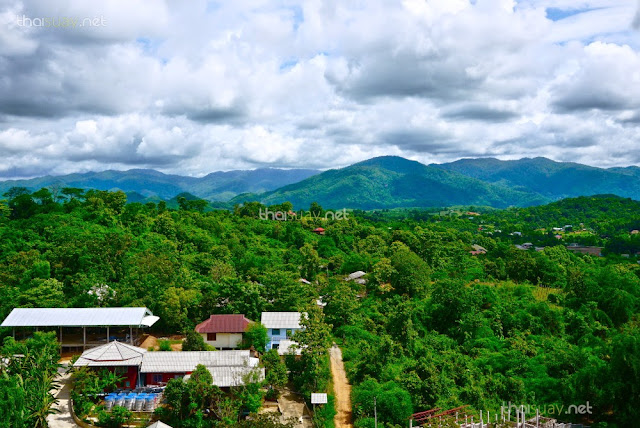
(228, 368)
(280, 326)
(357, 277)
(223, 331)
(116, 357)
(142, 368)
(592, 251)
(477, 250)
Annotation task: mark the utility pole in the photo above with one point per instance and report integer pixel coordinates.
(375, 412)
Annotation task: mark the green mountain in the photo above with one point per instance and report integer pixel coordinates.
(141, 184)
(553, 180)
(390, 181)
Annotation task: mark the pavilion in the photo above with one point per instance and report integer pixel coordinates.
(83, 318)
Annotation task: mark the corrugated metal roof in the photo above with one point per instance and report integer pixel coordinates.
(355, 275)
(183, 362)
(77, 317)
(233, 323)
(281, 319)
(285, 347)
(159, 424)
(318, 398)
(111, 354)
(233, 376)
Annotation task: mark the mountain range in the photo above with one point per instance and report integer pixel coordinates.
(148, 183)
(382, 182)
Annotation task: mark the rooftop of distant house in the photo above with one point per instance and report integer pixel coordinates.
(228, 323)
(281, 319)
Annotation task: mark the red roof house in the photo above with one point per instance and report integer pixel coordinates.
(318, 230)
(223, 331)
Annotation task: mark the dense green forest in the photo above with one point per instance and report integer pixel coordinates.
(432, 326)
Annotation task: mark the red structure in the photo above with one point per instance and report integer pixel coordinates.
(233, 323)
(318, 230)
(116, 357)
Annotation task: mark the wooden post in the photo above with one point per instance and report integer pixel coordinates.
(131, 335)
(84, 337)
(375, 413)
(107, 334)
(14, 333)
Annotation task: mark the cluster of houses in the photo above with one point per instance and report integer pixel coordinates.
(228, 365)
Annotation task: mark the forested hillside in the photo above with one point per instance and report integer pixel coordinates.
(550, 179)
(432, 326)
(392, 181)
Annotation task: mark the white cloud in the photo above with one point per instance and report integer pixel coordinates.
(202, 86)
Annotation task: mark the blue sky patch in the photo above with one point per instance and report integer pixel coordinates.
(556, 14)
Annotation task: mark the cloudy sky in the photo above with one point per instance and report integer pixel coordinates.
(193, 86)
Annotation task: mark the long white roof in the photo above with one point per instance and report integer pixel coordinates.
(187, 361)
(281, 319)
(233, 376)
(79, 317)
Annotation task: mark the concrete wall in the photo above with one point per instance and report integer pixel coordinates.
(224, 340)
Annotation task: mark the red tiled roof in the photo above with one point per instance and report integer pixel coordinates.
(318, 229)
(236, 323)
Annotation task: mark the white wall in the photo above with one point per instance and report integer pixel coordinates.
(224, 340)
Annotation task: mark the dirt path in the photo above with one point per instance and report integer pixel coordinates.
(342, 390)
(63, 418)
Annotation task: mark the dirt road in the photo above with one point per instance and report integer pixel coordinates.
(342, 390)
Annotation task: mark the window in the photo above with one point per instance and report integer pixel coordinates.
(289, 332)
(211, 337)
(275, 346)
(275, 332)
(157, 378)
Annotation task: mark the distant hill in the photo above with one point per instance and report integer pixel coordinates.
(390, 181)
(382, 182)
(553, 180)
(141, 184)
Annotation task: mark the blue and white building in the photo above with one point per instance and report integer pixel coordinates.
(280, 327)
